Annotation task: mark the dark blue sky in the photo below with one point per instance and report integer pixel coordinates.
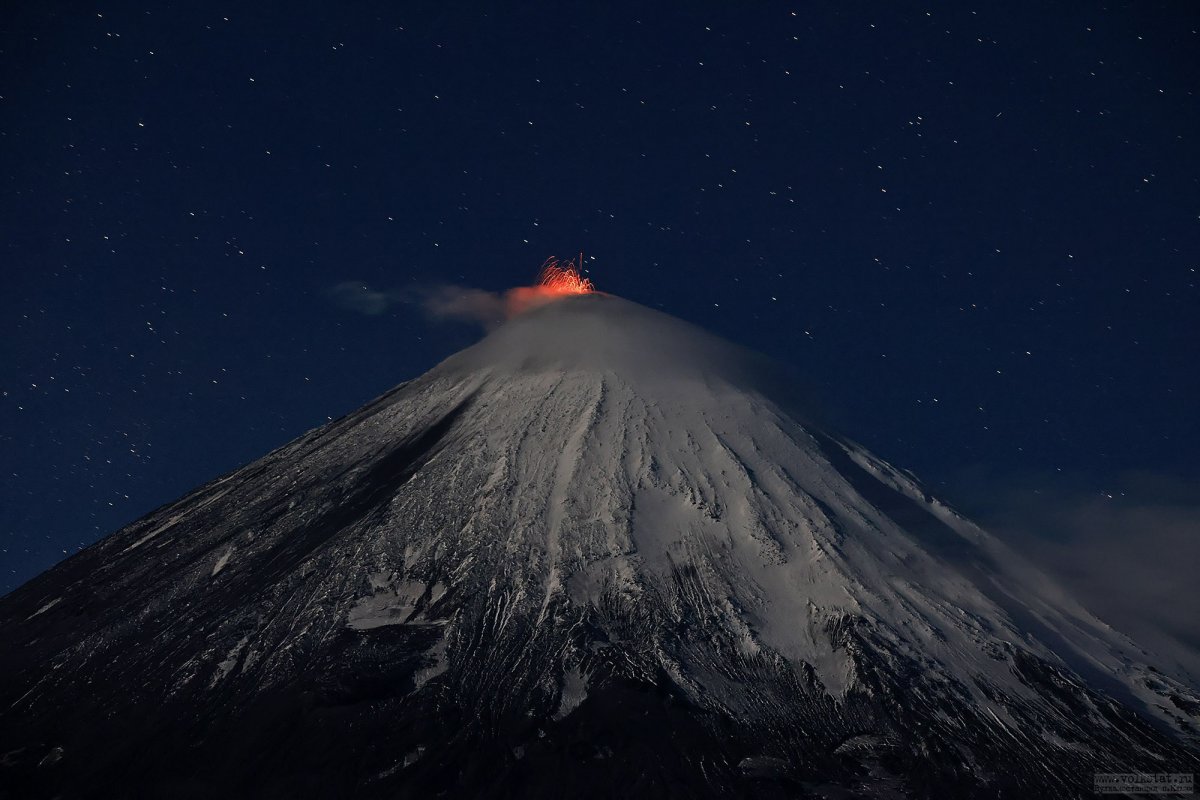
(975, 229)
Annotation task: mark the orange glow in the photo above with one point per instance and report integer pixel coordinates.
(556, 280)
(558, 277)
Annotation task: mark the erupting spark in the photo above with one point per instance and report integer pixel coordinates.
(557, 280)
(558, 277)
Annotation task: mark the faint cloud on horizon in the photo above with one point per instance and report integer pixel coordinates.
(1129, 555)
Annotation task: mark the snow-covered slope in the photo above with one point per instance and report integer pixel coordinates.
(594, 554)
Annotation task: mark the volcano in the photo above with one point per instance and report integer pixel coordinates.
(601, 553)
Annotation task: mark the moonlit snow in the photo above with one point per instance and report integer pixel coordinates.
(598, 552)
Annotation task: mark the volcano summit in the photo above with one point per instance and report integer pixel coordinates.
(595, 555)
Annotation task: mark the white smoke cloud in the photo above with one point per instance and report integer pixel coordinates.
(359, 297)
(443, 301)
(465, 304)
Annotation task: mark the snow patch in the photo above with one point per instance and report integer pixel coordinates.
(231, 660)
(44, 608)
(222, 561)
(154, 532)
(574, 692)
(389, 605)
(413, 756)
(440, 663)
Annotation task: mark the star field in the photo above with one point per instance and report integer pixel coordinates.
(973, 230)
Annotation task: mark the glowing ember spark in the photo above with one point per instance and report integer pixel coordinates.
(559, 277)
(556, 280)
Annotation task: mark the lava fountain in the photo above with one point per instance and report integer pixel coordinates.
(556, 280)
(559, 277)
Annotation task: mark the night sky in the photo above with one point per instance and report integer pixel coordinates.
(973, 229)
